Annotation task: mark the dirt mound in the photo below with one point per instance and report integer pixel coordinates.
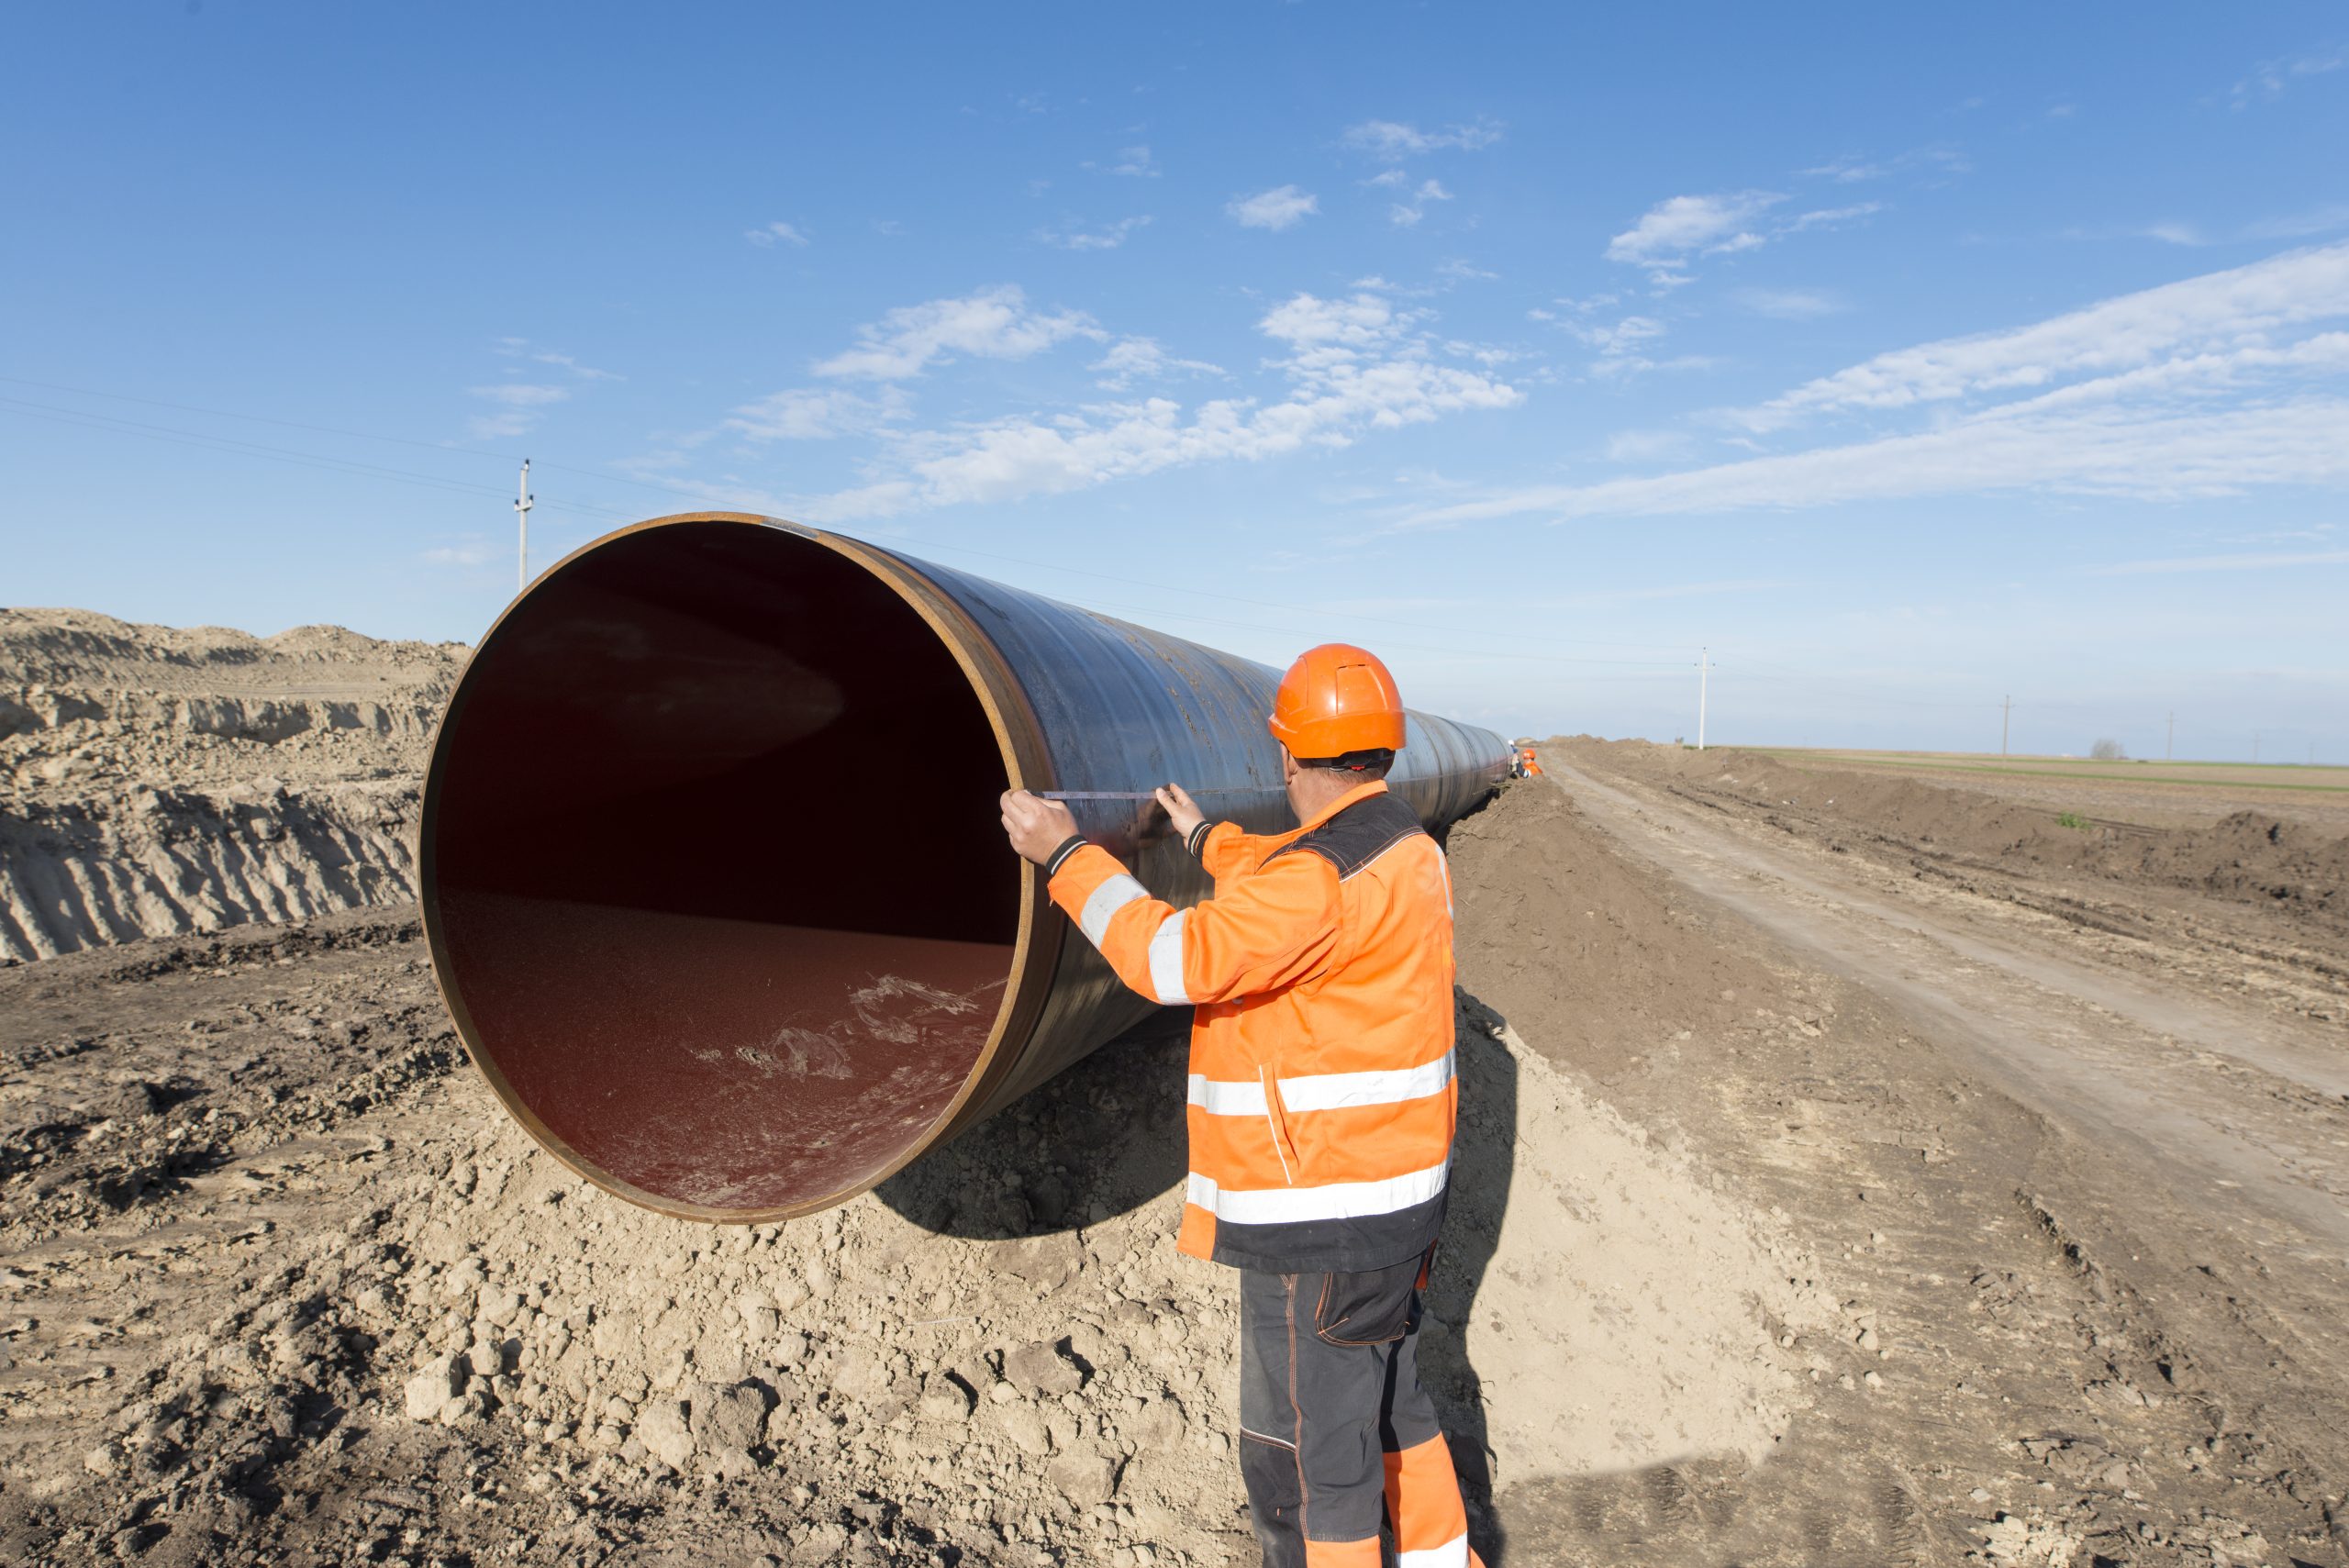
(2249, 858)
(156, 780)
(1578, 948)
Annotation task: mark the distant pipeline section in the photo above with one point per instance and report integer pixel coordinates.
(711, 865)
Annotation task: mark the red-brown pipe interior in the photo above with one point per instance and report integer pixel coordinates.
(715, 870)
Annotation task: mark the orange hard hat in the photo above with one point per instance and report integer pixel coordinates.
(1337, 698)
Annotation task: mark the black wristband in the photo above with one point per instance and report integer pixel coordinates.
(1198, 843)
(1069, 846)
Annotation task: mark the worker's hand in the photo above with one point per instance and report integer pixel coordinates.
(1035, 826)
(1180, 811)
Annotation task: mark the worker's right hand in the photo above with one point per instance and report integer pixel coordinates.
(1035, 826)
(1180, 811)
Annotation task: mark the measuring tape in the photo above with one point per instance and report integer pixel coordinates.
(1146, 795)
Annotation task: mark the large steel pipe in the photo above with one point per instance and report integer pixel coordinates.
(710, 864)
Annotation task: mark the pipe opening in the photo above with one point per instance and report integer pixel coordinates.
(713, 873)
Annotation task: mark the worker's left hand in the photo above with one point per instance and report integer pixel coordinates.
(1035, 826)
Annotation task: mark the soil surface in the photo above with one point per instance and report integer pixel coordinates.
(1842, 1178)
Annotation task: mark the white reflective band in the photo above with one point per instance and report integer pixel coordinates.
(1339, 1200)
(1107, 899)
(1443, 864)
(1323, 1090)
(1166, 960)
(1452, 1553)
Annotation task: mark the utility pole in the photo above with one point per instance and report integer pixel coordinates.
(1704, 673)
(523, 500)
(2169, 737)
(2006, 712)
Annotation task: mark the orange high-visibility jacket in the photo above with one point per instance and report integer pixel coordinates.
(1322, 1098)
(1532, 766)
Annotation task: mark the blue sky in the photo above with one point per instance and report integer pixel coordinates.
(1905, 359)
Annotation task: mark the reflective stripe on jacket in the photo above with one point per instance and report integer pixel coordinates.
(1321, 1096)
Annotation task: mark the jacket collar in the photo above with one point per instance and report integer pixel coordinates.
(1354, 797)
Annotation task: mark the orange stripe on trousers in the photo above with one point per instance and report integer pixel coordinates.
(1423, 1496)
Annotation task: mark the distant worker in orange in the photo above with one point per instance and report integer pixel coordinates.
(1531, 763)
(1321, 1107)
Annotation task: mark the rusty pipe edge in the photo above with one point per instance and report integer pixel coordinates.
(709, 864)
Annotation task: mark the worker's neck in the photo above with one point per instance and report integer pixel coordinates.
(1315, 790)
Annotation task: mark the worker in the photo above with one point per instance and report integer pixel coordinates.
(1532, 763)
(1321, 1107)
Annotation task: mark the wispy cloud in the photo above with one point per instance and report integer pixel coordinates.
(523, 348)
(2268, 80)
(2214, 385)
(1131, 360)
(774, 234)
(1350, 366)
(1675, 228)
(1135, 162)
(514, 394)
(1413, 207)
(1791, 303)
(1280, 207)
(518, 408)
(2195, 315)
(2270, 563)
(1647, 446)
(992, 324)
(1106, 238)
(1398, 139)
(473, 552)
(817, 413)
(1673, 233)
(1938, 158)
(2102, 451)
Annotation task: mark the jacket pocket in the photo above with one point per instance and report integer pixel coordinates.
(1373, 1309)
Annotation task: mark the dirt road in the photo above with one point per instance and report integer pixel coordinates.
(2198, 1135)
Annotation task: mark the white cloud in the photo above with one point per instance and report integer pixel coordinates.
(2109, 451)
(1829, 217)
(1413, 207)
(1938, 158)
(475, 552)
(2199, 314)
(1397, 139)
(1675, 228)
(1351, 365)
(514, 395)
(992, 324)
(519, 407)
(500, 427)
(1790, 303)
(1136, 162)
(2224, 564)
(1277, 208)
(819, 413)
(775, 233)
(1141, 358)
(1646, 446)
(2268, 80)
(1107, 239)
(1621, 338)
(523, 348)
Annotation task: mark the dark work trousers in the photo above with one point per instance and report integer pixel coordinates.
(1334, 1424)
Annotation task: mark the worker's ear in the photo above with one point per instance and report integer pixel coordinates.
(1288, 765)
